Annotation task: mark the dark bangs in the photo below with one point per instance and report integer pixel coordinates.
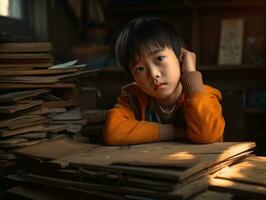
(140, 37)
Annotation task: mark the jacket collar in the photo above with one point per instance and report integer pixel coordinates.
(143, 99)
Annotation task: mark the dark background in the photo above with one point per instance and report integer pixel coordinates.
(86, 30)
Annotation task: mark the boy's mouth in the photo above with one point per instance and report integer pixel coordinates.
(158, 85)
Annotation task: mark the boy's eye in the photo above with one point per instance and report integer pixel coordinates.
(160, 59)
(139, 69)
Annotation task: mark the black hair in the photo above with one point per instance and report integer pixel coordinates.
(137, 38)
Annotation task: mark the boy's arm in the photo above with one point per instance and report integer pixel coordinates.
(202, 110)
(123, 128)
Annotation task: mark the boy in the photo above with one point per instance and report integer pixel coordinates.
(168, 100)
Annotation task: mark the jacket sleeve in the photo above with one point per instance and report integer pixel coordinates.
(203, 112)
(122, 127)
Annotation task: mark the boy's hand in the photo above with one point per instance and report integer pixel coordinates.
(187, 60)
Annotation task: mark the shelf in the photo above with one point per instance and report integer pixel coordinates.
(255, 110)
(144, 8)
(235, 3)
(173, 5)
(230, 67)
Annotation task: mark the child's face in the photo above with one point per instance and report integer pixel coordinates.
(158, 73)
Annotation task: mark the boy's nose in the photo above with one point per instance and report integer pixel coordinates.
(154, 73)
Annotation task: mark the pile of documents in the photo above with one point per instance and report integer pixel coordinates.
(38, 99)
(166, 170)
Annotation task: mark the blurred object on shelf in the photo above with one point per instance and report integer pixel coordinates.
(255, 98)
(255, 50)
(231, 41)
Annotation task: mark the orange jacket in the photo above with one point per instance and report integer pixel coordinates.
(202, 113)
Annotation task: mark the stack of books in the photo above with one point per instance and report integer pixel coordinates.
(38, 100)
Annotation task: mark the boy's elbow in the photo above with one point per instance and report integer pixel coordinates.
(114, 135)
(111, 132)
(206, 139)
(207, 134)
(109, 138)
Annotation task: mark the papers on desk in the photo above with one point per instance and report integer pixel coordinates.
(67, 65)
